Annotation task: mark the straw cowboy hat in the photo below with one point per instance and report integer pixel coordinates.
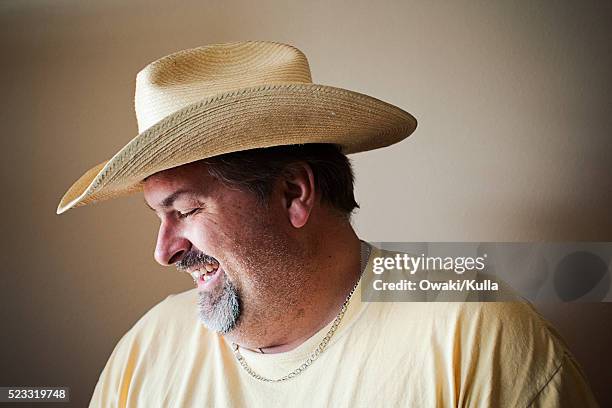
(223, 98)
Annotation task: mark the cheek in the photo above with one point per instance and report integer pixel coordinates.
(212, 235)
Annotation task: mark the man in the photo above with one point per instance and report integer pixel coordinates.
(243, 160)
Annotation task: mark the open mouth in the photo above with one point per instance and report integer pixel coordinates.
(206, 274)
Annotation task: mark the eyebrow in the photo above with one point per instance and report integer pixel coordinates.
(169, 201)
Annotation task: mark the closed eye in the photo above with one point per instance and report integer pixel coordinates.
(187, 213)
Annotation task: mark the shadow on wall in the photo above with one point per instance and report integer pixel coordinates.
(580, 323)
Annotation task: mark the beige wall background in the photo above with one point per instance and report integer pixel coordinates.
(514, 144)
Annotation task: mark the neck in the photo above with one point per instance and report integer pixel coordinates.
(333, 270)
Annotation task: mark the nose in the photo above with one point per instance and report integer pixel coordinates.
(171, 245)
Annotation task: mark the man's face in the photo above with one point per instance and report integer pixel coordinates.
(238, 249)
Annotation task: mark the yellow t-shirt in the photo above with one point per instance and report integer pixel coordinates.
(395, 354)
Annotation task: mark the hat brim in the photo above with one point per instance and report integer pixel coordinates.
(245, 119)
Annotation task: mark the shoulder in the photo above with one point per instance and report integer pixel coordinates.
(512, 325)
(508, 331)
(508, 353)
(176, 313)
(155, 337)
(511, 333)
(504, 353)
(175, 305)
(539, 366)
(165, 323)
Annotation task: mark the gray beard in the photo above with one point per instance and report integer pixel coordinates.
(220, 311)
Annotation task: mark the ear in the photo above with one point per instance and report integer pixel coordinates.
(298, 193)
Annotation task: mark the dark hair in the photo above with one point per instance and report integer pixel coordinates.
(256, 170)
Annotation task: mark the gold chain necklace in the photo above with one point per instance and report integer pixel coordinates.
(365, 254)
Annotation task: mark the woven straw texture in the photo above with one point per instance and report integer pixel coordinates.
(224, 98)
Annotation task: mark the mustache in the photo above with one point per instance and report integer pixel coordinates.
(194, 258)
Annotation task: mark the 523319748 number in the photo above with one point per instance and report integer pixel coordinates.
(34, 394)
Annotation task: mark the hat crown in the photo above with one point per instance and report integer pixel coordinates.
(180, 79)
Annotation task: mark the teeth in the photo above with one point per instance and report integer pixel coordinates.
(195, 275)
(206, 273)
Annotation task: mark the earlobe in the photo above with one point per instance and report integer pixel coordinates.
(298, 216)
(299, 194)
